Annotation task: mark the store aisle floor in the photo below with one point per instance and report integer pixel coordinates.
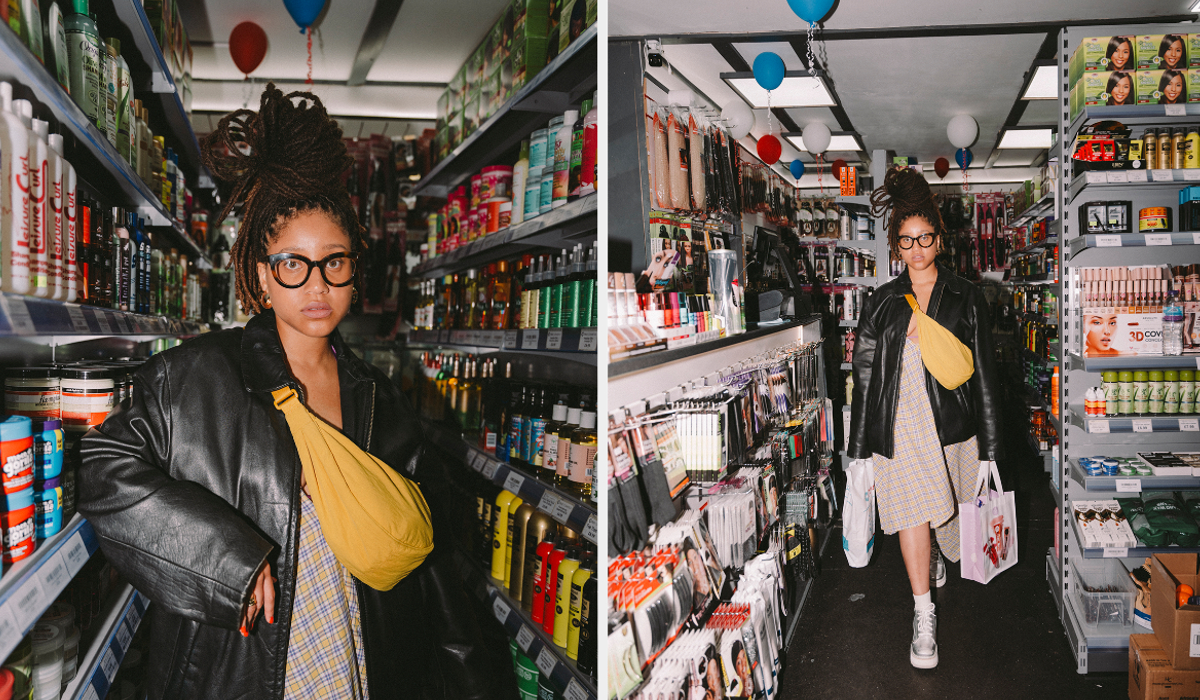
(1003, 640)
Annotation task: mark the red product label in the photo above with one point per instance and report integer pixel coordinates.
(17, 530)
(16, 464)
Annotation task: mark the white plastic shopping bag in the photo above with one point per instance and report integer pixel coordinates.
(858, 513)
(988, 528)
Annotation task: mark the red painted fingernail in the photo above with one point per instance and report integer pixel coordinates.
(244, 632)
(270, 620)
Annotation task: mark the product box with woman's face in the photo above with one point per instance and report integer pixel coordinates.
(1162, 51)
(1161, 87)
(1102, 53)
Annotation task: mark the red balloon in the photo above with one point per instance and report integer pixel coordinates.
(941, 166)
(247, 46)
(769, 149)
(838, 166)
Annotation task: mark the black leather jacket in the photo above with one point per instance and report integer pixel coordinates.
(971, 409)
(194, 482)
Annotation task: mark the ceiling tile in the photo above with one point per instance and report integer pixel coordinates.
(433, 38)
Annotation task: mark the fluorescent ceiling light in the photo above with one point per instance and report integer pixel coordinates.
(1196, 6)
(798, 89)
(1027, 138)
(838, 142)
(1044, 85)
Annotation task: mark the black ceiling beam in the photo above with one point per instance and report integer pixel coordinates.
(383, 18)
(735, 61)
(925, 31)
(300, 81)
(800, 46)
(1045, 52)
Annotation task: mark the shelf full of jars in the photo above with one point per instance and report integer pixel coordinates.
(1128, 298)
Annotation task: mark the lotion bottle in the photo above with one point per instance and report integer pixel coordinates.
(14, 215)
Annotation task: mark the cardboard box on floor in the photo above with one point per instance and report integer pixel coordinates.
(1177, 628)
(1151, 676)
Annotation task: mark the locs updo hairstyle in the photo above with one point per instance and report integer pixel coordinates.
(284, 160)
(905, 194)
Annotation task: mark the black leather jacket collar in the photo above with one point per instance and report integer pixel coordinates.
(970, 410)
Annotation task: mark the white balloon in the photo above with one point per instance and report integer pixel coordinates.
(962, 131)
(738, 118)
(816, 137)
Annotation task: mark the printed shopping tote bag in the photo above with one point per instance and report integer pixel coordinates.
(858, 513)
(988, 528)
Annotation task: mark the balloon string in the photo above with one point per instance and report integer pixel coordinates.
(819, 183)
(308, 81)
(965, 185)
(770, 125)
(812, 66)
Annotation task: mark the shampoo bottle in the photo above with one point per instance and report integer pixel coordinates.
(39, 261)
(71, 227)
(83, 59)
(56, 229)
(14, 215)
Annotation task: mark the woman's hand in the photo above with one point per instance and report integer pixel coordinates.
(262, 599)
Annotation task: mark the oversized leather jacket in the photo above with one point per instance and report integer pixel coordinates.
(194, 483)
(971, 409)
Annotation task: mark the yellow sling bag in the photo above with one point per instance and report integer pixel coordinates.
(947, 359)
(375, 521)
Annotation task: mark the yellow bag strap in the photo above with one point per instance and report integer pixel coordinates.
(913, 303)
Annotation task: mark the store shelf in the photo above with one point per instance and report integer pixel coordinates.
(1132, 179)
(1039, 318)
(1054, 578)
(1130, 115)
(531, 638)
(163, 96)
(565, 508)
(574, 222)
(1132, 362)
(810, 240)
(98, 667)
(1133, 240)
(856, 280)
(29, 588)
(562, 83)
(848, 324)
(861, 199)
(1047, 242)
(1034, 357)
(578, 344)
(1132, 485)
(846, 366)
(1131, 424)
(644, 362)
(1139, 552)
(32, 316)
(96, 160)
(1035, 210)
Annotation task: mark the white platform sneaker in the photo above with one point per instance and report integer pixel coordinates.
(937, 569)
(924, 651)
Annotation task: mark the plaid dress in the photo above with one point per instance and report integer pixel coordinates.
(923, 482)
(325, 652)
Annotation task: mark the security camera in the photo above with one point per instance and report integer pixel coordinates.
(654, 53)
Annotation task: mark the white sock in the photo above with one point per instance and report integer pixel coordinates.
(922, 602)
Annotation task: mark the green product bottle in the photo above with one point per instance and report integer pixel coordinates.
(575, 313)
(1171, 392)
(1141, 392)
(110, 71)
(556, 291)
(590, 303)
(31, 15)
(1125, 393)
(1187, 391)
(544, 282)
(1112, 393)
(83, 57)
(574, 179)
(1157, 392)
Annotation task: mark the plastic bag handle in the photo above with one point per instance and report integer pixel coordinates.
(986, 467)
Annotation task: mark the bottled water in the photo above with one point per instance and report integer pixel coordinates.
(1172, 327)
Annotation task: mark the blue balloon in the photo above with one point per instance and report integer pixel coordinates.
(768, 70)
(811, 11)
(304, 12)
(964, 157)
(797, 168)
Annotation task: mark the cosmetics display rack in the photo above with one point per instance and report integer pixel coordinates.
(101, 168)
(1122, 436)
(565, 508)
(531, 638)
(564, 81)
(578, 344)
(98, 667)
(1036, 210)
(574, 222)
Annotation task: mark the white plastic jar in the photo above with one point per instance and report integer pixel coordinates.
(47, 661)
(88, 397)
(32, 392)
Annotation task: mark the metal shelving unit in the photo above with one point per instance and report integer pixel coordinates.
(1082, 435)
(98, 666)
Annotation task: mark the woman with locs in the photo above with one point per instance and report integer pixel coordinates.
(195, 487)
(927, 443)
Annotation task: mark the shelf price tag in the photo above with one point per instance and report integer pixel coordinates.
(546, 661)
(589, 530)
(1176, 110)
(1118, 176)
(562, 511)
(500, 609)
(554, 339)
(1116, 552)
(525, 638)
(75, 554)
(1112, 240)
(78, 320)
(1097, 426)
(1190, 425)
(575, 691)
(1191, 175)
(109, 664)
(1143, 425)
(513, 483)
(18, 316)
(54, 575)
(124, 636)
(510, 340)
(548, 502)
(122, 325)
(30, 601)
(91, 693)
(477, 459)
(489, 469)
(529, 339)
(1095, 177)
(1129, 485)
(8, 630)
(1161, 175)
(587, 340)
(1159, 238)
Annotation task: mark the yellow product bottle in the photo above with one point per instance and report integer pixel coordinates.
(562, 606)
(583, 456)
(581, 576)
(509, 538)
(1191, 149)
(518, 523)
(500, 534)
